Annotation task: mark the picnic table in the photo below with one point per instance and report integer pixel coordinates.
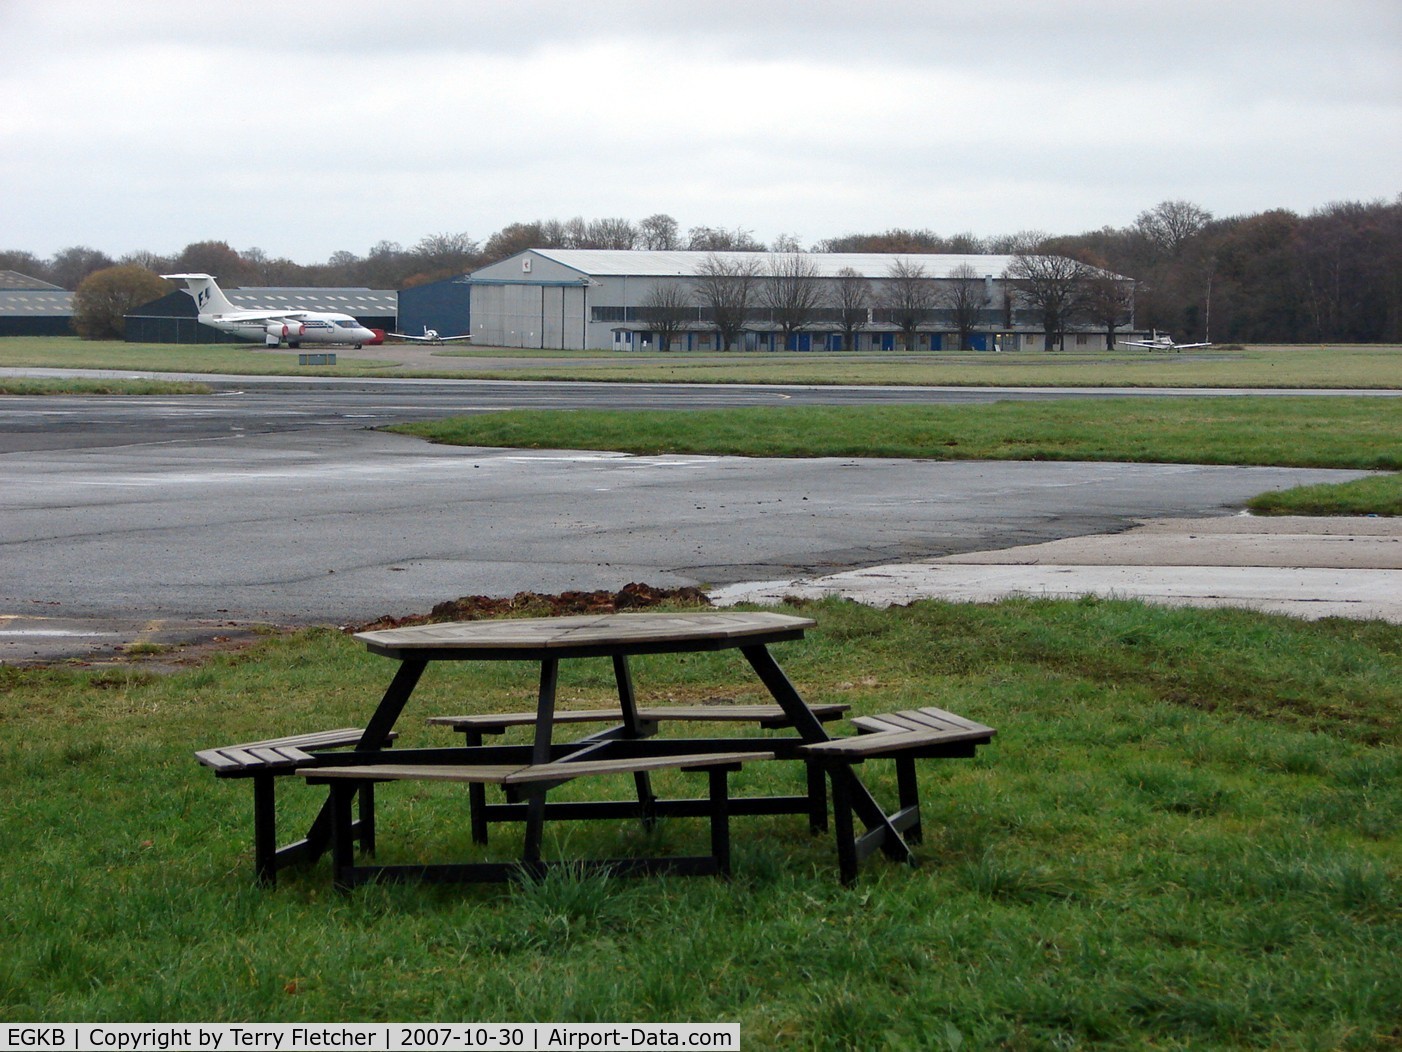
(629, 744)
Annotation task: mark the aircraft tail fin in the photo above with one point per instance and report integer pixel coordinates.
(205, 291)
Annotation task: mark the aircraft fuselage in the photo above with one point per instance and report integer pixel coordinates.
(294, 329)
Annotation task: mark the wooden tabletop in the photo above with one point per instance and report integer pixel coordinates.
(584, 635)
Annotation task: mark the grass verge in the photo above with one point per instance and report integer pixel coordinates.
(10, 385)
(1379, 495)
(1186, 834)
(1338, 432)
(1362, 366)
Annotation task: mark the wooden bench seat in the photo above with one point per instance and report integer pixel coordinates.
(264, 762)
(766, 716)
(903, 737)
(345, 781)
(474, 726)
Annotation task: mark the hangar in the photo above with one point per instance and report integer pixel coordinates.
(174, 317)
(574, 299)
(30, 307)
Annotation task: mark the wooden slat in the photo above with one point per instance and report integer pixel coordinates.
(215, 758)
(566, 769)
(874, 724)
(732, 713)
(925, 719)
(242, 757)
(894, 741)
(294, 755)
(653, 713)
(521, 719)
(292, 749)
(938, 719)
(419, 772)
(504, 774)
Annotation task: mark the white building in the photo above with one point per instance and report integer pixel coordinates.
(599, 299)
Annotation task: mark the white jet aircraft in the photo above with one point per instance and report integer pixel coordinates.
(431, 336)
(1161, 341)
(296, 327)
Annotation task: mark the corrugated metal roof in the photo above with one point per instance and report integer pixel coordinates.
(35, 303)
(13, 279)
(621, 263)
(338, 300)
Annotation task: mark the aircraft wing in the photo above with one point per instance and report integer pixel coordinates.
(428, 339)
(1186, 346)
(266, 315)
(1139, 343)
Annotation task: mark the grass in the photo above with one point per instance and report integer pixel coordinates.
(1372, 366)
(10, 385)
(1341, 432)
(1378, 495)
(1186, 835)
(240, 359)
(1363, 366)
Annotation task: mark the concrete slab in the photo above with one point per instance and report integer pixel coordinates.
(1304, 567)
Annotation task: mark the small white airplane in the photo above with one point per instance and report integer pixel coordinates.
(273, 327)
(431, 336)
(1160, 341)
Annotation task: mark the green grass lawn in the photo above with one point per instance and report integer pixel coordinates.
(1185, 835)
(10, 385)
(1365, 366)
(1357, 432)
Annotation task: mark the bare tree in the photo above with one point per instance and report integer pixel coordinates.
(612, 233)
(71, 265)
(217, 258)
(1108, 300)
(964, 296)
(1050, 284)
(667, 307)
(851, 297)
(791, 292)
(908, 296)
(26, 263)
(658, 233)
(447, 255)
(714, 239)
(725, 287)
(513, 238)
(156, 264)
(1170, 224)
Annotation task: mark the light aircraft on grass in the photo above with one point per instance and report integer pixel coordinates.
(431, 336)
(273, 327)
(1161, 341)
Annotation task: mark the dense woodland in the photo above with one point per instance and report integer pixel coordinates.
(1274, 277)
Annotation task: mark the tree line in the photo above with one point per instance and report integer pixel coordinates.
(1333, 275)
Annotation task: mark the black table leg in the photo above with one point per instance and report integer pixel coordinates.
(396, 696)
(540, 753)
(811, 729)
(628, 702)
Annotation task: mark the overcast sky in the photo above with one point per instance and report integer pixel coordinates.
(303, 128)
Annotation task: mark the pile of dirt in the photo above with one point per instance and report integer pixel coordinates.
(535, 604)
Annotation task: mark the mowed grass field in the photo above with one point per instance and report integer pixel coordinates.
(1363, 366)
(1185, 835)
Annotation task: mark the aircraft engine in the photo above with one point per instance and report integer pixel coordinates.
(285, 330)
